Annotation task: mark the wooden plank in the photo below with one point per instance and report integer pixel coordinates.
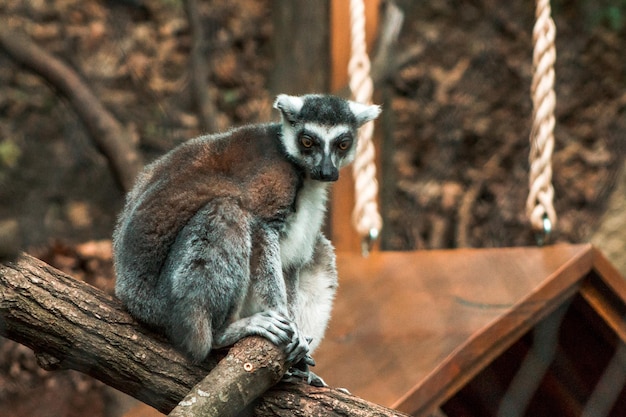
(340, 37)
(606, 294)
(406, 324)
(606, 308)
(610, 275)
(343, 234)
(489, 342)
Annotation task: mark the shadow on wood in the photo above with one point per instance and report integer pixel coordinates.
(430, 329)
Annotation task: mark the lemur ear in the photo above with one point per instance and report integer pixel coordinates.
(363, 112)
(289, 106)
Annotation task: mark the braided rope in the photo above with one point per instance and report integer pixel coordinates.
(539, 205)
(365, 216)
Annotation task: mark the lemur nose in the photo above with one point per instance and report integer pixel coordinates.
(331, 175)
(328, 172)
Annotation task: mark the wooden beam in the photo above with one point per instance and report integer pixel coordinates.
(340, 37)
(342, 232)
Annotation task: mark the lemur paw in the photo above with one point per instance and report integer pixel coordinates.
(298, 348)
(282, 332)
(302, 372)
(273, 326)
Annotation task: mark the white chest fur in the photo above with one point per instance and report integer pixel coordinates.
(300, 233)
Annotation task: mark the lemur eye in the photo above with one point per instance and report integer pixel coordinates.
(306, 141)
(344, 145)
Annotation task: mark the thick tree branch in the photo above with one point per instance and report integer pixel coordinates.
(251, 367)
(113, 140)
(71, 325)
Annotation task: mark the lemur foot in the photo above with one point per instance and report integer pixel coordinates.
(273, 326)
(268, 324)
(300, 372)
(298, 348)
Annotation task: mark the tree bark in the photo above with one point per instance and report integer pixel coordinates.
(111, 138)
(199, 69)
(301, 46)
(71, 325)
(251, 367)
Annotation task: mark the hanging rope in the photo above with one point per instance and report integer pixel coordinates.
(365, 216)
(539, 205)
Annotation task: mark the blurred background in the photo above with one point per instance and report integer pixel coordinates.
(452, 143)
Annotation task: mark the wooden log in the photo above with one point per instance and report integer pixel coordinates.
(72, 325)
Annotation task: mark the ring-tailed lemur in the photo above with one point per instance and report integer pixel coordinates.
(220, 238)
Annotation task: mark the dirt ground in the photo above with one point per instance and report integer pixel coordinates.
(457, 131)
(464, 101)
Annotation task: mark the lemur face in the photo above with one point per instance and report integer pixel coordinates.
(319, 132)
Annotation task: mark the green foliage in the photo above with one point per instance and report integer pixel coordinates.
(613, 15)
(231, 96)
(9, 156)
(9, 153)
(608, 13)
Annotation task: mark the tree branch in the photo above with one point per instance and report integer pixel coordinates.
(72, 325)
(113, 140)
(251, 367)
(75, 326)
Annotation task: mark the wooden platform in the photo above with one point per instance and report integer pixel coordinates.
(415, 330)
